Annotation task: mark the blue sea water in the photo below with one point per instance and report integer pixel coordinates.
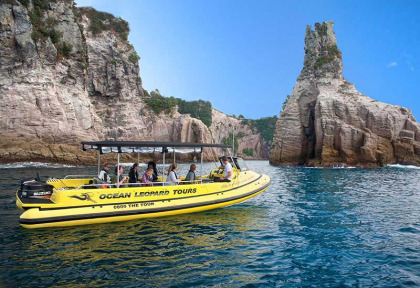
(311, 228)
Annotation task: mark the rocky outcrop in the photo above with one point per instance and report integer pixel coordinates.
(67, 75)
(223, 127)
(327, 121)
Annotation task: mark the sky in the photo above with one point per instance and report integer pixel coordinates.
(245, 56)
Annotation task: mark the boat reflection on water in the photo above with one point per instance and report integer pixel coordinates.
(146, 245)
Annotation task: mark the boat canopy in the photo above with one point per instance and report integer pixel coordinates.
(105, 147)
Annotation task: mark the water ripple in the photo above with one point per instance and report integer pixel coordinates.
(311, 228)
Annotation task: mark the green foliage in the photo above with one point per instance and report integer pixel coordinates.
(332, 51)
(97, 26)
(55, 36)
(43, 28)
(265, 126)
(36, 18)
(322, 28)
(248, 152)
(43, 31)
(228, 141)
(285, 102)
(121, 27)
(241, 116)
(67, 49)
(24, 2)
(64, 50)
(134, 58)
(159, 103)
(101, 21)
(43, 4)
(198, 109)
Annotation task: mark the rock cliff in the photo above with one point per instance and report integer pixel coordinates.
(68, 74)
(328, 122)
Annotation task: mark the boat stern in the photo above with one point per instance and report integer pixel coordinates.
(19, 203)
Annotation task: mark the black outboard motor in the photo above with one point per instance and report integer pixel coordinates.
(35, 189)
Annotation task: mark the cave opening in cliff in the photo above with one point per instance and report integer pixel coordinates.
(309, 141)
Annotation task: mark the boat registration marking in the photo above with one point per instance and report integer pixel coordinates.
(134, 205)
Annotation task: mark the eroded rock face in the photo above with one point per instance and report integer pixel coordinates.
(328, 122)
(51, 101)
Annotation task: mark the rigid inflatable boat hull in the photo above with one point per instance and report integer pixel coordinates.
(130, 209)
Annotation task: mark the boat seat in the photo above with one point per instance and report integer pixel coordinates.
(96, 183)
(99, 181)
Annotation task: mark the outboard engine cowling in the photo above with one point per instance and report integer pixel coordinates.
(36, 189)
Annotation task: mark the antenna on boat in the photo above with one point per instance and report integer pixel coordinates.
(233, 141)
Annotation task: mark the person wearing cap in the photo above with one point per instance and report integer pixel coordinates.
(227, 177)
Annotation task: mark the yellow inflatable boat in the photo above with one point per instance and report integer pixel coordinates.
(87, 200)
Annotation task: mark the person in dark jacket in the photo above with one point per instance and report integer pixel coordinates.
(152, 165)
(133, 175)
(191, 174)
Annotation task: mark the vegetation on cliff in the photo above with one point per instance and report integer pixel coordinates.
(102, 21)
(160, 103)
(330, 52)
(197, 109)
(285, 102)
(248, 152)
(228, 141)
(43, 28)
(266, 126)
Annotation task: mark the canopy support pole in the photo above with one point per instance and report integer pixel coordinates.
(118, 170)
(174, 156)
(201, 172)
(163, 168)
(138, 158)
(99, 161)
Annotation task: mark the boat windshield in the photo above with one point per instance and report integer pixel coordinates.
(240, 163)
(236, 162)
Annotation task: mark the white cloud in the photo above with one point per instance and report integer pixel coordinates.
(392, 64)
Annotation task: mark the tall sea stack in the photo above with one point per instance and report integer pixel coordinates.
(327, 121)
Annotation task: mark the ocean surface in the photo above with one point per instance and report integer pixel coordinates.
(311, 228)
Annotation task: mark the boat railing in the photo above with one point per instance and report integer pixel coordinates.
(102, 184)
(79, 176)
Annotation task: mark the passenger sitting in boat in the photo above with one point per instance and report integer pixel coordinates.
(172, 177)
(147, 178)
(228, 170)
(191, 174)
(118, 177)
(103, 175)
(152, 165)
(133, 175)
